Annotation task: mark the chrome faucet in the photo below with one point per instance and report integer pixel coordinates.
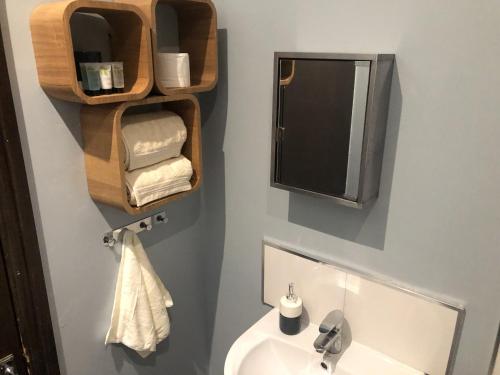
(330, 339)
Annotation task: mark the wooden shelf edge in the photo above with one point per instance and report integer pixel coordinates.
(104, 153)
(54, 56)
(160, 89)
(148, 7)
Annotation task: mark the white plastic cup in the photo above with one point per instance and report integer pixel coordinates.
(173, 69)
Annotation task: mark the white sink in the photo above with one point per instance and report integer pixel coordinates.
(264, 350)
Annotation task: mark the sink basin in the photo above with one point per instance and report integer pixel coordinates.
(272, 356)
(263, 350)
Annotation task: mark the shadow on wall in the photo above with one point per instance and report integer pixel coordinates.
(209, 249)
(119, 352)
(184, 218)
(150, 363)
(203, 254)
(214, 111)
(367, 226)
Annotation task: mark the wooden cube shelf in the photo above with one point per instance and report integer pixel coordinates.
(197, 28)
(53, 45)
(105, 154)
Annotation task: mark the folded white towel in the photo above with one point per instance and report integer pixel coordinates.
(159, 180)
(149, 138)
(139, 319)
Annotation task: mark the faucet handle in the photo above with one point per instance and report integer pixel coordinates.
(333, 320)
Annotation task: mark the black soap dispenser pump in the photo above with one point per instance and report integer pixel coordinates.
(290, 312)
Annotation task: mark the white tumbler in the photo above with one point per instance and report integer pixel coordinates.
(173, 69)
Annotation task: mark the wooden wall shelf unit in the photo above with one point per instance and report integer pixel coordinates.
(104, 150)
(53, 45)
(197, 28)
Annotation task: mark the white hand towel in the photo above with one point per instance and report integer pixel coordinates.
(159, 180)
(149, 138)
(139, 319)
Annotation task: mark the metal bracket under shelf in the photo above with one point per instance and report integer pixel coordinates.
(110, 238)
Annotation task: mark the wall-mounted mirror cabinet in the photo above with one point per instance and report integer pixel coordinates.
(329, 123)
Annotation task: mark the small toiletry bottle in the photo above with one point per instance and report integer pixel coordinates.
(118, 80)
(84, 57)
(106, 78)
(92, 81)
(90, 84)
(290, 312)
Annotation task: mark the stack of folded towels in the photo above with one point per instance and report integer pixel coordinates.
(154, 165)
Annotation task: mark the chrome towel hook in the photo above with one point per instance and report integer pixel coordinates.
(110, 238)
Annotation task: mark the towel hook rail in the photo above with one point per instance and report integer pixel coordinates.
(110, 238)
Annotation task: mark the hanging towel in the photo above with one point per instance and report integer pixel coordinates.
(149, 138)
(159, 180)
(139, 319)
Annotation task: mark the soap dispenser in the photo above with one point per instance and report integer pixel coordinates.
(290, 312)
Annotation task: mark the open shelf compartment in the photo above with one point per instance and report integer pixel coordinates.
(197, 36)
(105, 154)
(130, 42)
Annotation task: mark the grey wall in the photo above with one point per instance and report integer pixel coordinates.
(435, 225)
(80, 272)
